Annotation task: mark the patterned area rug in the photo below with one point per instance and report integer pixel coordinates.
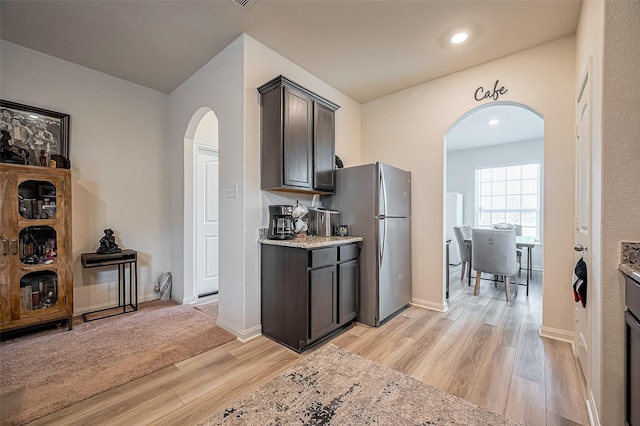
(333, 386)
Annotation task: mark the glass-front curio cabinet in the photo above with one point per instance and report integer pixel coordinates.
(36, 285)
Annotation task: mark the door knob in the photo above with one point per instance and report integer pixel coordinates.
(579, 247)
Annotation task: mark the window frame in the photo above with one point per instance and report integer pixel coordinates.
(537, 210)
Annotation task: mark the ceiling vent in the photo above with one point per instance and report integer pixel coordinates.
(243, 4)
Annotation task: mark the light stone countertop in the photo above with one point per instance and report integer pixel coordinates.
(310, 242)
(630, 259)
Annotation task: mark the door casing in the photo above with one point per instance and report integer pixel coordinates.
(206, 236)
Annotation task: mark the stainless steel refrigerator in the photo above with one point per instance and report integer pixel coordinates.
(374, 200)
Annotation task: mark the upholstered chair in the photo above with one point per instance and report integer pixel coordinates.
(518, 229)
(494, 252)
(464, 233)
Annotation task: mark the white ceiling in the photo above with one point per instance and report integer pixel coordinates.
(365, 49)
(516, 124)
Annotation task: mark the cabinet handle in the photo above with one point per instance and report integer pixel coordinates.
(5, 247)
(14, 246)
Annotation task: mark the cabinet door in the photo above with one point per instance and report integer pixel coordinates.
(347, 285)
(8, 241)
(298, 139)
(323, 301)
(323, 147)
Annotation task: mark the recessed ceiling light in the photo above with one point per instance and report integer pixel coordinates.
(493, 122)
(459, 38)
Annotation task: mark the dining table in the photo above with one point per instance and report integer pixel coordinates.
(522, 242)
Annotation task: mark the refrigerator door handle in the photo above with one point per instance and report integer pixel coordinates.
(383, 240)
(383, 193)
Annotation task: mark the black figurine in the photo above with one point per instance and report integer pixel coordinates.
(108, 243)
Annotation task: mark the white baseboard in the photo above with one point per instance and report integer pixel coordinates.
(568, 337)
(188, 300)
(253, 336)
(93, 308)
(108, 305)
(425, 304)
(557, 334)
(242, 335)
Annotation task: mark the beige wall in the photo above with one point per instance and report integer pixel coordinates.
(620, 187)
(262, 64)
(228, 86)
(407, 129)
(607, 36)
(132, 154)
(217, 86)
(116, 148)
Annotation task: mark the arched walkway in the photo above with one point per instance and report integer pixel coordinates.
(493, 159)
(200, 206)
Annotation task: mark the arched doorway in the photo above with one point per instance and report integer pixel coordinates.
(494, 168)
(201, 208)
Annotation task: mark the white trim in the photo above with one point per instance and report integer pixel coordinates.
(191, 300)
(557, 334)
(208, 299)
(242, 335)
(194, 207)
(98, 307)
(425, 304)
(592, 412)
(188, 214)
(194, 216)
(245, 340)
(114, 304)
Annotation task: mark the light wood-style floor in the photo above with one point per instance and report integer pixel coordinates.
(483, 349)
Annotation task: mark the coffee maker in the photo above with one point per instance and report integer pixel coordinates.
(280, 222)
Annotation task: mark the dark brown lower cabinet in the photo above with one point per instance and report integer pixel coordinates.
(307, 294)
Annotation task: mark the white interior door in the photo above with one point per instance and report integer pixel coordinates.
(583, 215)
(207, 221)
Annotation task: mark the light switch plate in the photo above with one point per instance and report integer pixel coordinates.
(232, 190)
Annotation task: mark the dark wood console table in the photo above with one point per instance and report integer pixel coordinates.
(121, 260)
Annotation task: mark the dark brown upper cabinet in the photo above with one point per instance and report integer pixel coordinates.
(297, 138)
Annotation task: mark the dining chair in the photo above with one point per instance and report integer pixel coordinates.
(518, 229)
(494, 252)
(463, 233)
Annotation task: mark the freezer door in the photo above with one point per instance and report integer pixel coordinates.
(394, 194)
(394, 257)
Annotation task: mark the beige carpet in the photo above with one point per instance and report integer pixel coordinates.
(333, 386)
(44, 374)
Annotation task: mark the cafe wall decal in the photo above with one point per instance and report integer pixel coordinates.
(482, 94)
